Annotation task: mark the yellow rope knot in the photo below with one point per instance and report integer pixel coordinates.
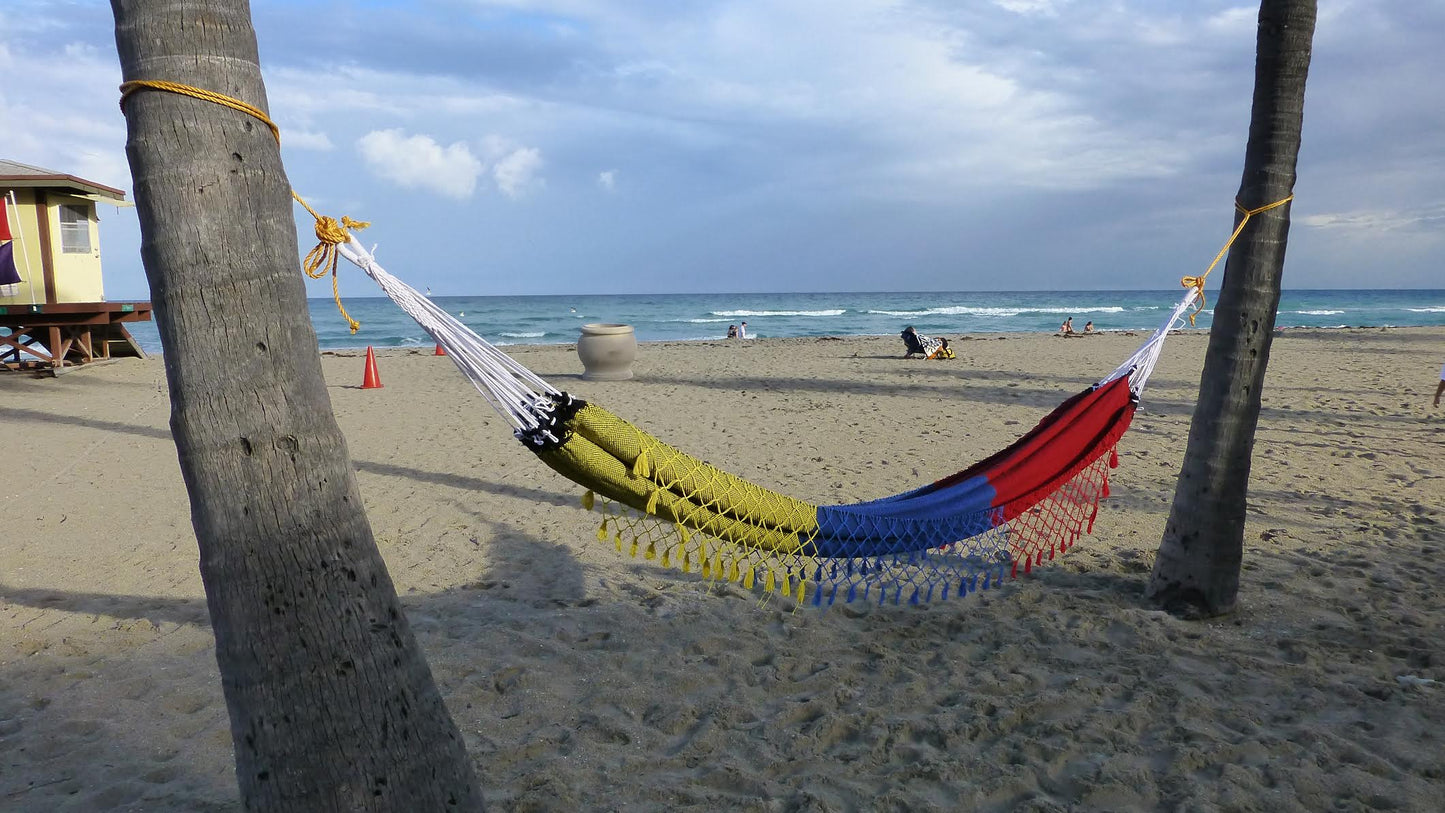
(329, 234)
(1197, 283)
(321, 260)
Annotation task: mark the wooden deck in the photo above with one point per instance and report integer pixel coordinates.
(62, 335)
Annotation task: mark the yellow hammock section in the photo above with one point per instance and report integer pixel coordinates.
(617, 460)
(752, 527)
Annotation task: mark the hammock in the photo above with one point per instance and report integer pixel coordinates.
(963, 533)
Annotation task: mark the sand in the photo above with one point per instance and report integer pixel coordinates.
(583, 680)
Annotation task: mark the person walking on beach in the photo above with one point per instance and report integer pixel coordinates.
(1440, 388)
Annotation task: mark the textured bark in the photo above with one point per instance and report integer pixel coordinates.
(1197, 569)
(331, 702)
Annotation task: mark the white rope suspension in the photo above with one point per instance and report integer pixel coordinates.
(1140, 365)
(513, 390)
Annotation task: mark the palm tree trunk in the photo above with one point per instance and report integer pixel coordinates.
(1197, 568)
(332, 704)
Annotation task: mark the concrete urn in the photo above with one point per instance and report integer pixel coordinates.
(607, 351)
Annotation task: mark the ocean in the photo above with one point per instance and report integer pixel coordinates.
(504, 320)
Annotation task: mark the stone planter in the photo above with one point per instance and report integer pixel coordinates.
(607, 352)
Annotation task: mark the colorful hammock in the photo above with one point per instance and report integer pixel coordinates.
(966, 532)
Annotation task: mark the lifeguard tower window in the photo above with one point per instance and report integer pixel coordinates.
(74, 229)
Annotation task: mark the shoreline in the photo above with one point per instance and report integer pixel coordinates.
(426, 350)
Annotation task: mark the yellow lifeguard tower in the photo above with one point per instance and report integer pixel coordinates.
(53, 310)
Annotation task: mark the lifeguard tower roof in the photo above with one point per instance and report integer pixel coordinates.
(15, 175)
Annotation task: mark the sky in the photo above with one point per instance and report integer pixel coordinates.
(680, 146)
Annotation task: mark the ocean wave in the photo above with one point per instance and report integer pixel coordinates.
(525, 334)
(1318, 313)
(1436, 309)
(736, 314)
(1005, 312)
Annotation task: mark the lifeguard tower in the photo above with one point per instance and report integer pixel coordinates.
(53, 311)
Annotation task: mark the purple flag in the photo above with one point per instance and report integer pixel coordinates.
(9, 274)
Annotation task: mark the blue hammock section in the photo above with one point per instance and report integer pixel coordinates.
(968, 531)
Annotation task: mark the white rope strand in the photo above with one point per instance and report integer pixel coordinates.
(511, 389)
(1140, 365)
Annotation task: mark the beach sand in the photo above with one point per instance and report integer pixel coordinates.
(583, 680)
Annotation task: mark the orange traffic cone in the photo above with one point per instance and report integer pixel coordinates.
(440, 351)
(370, 380)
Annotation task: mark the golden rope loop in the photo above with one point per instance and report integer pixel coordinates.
(329, 234)
(128, 88)
(1197, 283)
(322, 259)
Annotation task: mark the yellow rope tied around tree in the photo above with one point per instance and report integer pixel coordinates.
(128, 88)
(1198, 282)
(321, 259)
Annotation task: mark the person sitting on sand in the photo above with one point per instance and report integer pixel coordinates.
(942, 351)
(732, 331)
(913, 343)
(1089, 326)
(1067, 328)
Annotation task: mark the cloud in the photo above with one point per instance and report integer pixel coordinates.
(607, 180)
(1025, 7)
(419, 162)
(307, 94)
(517, 171)
(62, 115)
(514, 167)
(307, 140)
(1374, 222)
